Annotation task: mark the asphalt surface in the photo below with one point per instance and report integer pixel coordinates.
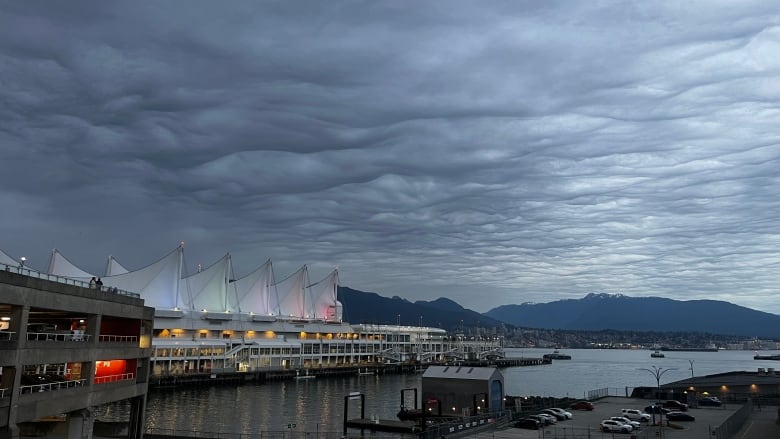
(761, 425)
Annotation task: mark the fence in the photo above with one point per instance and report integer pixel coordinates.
(114, 378)
(734, 422)
(46, 387)
(63, 280)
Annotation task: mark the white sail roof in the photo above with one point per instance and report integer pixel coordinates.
(289, 296)
(59, 265)
(323, 297)
(113, 267)
(158, 283)
(207, 289)
(253, 291)
(7, 260)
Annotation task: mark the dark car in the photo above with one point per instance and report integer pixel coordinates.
(582, 405)
(674, 405)
(656, 409)
(528, 424)
(543, 420)
(710, 401)
(679, 416)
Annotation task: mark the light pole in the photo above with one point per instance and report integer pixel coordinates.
(22, 260)
(691, 361)
(658, 372)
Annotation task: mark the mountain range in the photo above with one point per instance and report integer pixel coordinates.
(593, 312)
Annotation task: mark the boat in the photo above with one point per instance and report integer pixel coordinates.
(556, 355)
(657, 354)
(305, 376)
(710, 348)
(766, 357)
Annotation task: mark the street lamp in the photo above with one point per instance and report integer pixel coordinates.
(691, 361)
(22, 260)
(658, 372)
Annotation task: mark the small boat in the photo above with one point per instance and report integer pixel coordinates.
(657, 354)
(305, 376)
(766, 357)
(556, 355)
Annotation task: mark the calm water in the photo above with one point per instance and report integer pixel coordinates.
(318, 404)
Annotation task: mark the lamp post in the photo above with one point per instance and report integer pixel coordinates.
(658, 372)
(691, 362)
(22, 260)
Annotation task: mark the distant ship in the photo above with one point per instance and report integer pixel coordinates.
(657, 354)
(556, 355)
(766, 357)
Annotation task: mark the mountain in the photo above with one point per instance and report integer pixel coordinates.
(367, 307)
(619, 312)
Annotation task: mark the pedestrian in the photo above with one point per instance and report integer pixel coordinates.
(92, 282)
(99, 284)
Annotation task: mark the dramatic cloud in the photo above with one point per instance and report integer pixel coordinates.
(493, 153)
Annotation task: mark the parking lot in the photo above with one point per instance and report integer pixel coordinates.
(586, 424)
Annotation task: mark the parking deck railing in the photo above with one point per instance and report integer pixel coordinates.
(47, 387)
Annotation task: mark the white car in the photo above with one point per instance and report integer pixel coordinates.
(625, 420)
(636, 415)
(566, 414)
(609, 425)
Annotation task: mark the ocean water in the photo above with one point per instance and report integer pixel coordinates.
(318, 404)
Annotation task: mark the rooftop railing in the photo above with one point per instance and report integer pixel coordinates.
(47, 387)
(118, 338)
(20, 269)
(7, 335)
(114, 378)
(56, 336)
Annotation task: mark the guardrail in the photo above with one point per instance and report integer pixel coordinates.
(118, 338)
(114, 378)
(56, 336)
(4, 392)
(7, 335)
(65, 280)
(47, 387)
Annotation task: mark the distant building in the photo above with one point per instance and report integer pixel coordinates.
(728, 387)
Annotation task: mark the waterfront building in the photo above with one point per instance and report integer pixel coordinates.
(66, 348)
(211, 324)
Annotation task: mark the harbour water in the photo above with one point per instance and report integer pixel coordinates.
(318, 404)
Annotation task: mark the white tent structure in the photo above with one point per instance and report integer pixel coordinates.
(7, 260)
(113, 267)
(59, 265)
(213, 290)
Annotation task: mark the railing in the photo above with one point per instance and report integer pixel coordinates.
(291, 433)
(4, 392)
(734, 422)
(46, 387)
(64, 280)
(118, 338)
(56, 336)
(7, 335)
(114, 378)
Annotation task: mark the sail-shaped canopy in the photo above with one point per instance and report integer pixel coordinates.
(289, 296)
(158, 283)
(59, 265)
(253, 291)
(207, 289)
(323, 297)
(7, 260)
(113, 267)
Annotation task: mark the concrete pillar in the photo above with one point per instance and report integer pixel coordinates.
(137, 423)
(81, 424)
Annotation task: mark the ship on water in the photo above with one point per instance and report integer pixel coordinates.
(214, 323)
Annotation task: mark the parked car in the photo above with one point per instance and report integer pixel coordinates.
(674, 405)
(609, 425)
(551, 419)
(625, 420)
(679, 416)
(543, 420)
(528, 423)
(658, 410)
(568, 415)
(635, 415)
(583, 405)
(558, 413)
(710, 401)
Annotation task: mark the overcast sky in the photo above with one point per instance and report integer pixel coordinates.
(490, 152)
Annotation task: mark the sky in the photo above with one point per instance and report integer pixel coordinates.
(492, 153)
